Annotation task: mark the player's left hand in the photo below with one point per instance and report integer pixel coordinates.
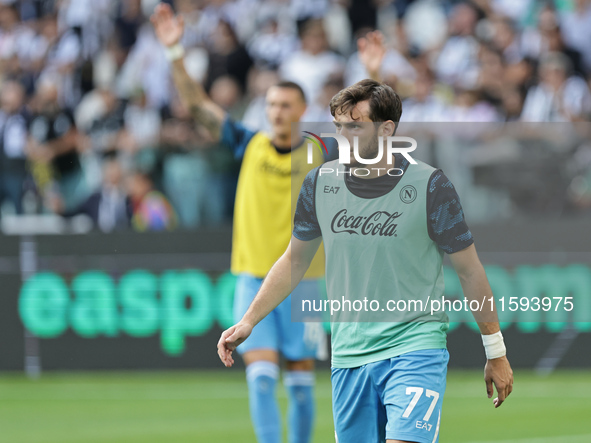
(499, 372)
(230, 339)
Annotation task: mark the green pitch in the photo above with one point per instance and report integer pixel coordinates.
(212, 407)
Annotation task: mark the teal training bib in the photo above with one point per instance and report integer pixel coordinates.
(379, 255)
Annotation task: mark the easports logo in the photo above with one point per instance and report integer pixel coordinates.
(344, 147)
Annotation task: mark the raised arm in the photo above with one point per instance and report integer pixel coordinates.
(283, 277)
(476, 287)
(371, 51)
(169, 30)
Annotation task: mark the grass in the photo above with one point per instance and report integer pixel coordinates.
(171, 407)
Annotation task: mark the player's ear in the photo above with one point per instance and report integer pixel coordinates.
(387, 129)
(303, 109)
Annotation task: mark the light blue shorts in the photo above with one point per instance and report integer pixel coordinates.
(294, 340)
(399, 398)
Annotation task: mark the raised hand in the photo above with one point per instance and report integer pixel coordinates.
(371, 52)
(169, 28)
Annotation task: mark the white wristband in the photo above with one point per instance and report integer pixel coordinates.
(175, 52)
(494, 346)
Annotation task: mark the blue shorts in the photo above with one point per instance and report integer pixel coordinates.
(294, 340)
(399, 398)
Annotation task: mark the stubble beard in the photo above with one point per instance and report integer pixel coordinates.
(369, 151)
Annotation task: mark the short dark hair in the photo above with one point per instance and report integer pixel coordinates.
(292, 85)
(384, 103)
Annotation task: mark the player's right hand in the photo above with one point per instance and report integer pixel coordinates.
(371, 50)
(230, 339)
(168, 27)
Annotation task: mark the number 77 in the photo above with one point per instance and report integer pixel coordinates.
(417, 394)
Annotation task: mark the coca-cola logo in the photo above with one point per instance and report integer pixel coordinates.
(380, 223)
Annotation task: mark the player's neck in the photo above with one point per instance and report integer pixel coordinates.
(286, 141)
(376, 170)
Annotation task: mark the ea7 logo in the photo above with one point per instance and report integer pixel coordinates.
(331, 189)
(423, 425)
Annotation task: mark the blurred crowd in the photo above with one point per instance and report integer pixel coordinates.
(90, 122)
